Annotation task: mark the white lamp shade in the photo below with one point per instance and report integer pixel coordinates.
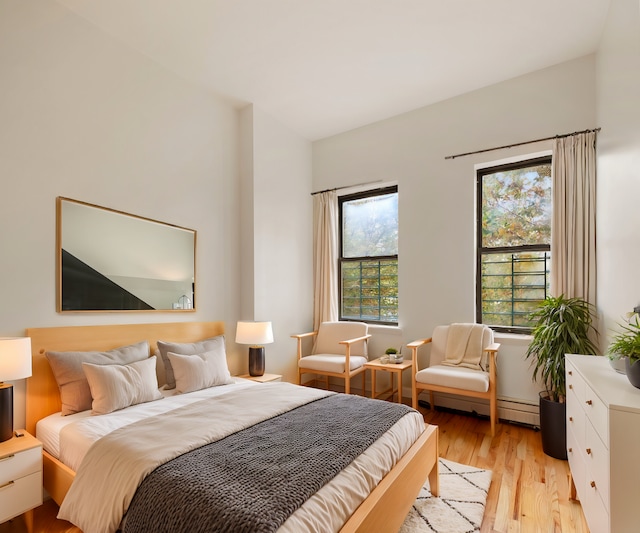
(15, 358)
(254, 333)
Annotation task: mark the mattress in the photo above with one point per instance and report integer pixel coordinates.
(69, 438)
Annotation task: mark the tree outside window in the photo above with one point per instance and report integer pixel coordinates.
(514, 242)
(369, 256)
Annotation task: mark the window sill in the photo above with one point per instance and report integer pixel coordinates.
(511, 338)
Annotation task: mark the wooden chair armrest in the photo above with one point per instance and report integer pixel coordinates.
(413, 346)
(299, 338)
(303, 335)
(418, 343)
(349, 342)
(492, 350)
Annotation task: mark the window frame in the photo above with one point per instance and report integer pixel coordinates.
(480, 250)
(393, 189)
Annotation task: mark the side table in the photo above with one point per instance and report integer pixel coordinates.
(20, 478)
(394, 368)
(262, 379)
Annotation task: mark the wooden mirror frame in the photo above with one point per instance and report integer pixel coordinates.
(109, 260)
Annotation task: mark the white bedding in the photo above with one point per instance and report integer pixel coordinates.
(69, 437)
(325, 511)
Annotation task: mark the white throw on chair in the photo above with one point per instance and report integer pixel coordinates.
(462, 361)
(340, 350)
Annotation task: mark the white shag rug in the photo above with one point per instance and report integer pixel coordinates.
(460, 506)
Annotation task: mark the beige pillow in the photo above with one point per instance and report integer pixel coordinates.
(199, 371)
(115, 387)
(72, 382)
(186, 348)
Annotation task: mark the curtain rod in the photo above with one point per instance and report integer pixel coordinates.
(523, 143)
(347, 187)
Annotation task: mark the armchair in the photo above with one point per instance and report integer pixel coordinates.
(340, 350)
(463, 361)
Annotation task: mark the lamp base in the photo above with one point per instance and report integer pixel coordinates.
(256, 360)
(6, 411)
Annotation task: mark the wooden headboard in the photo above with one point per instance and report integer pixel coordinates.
(43, 396)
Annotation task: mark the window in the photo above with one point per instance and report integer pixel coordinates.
(513, 243)
(369, 256)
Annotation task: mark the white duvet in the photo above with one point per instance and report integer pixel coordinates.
(86, 507)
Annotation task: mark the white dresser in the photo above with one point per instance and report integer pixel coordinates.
(603, 443)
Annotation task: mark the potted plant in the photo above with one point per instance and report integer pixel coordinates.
(626, 344)
(562, 325)
(393, 354)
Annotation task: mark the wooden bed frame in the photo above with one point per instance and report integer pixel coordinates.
(384, 509)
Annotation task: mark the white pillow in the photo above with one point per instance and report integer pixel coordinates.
(115, 387)
(199, 371)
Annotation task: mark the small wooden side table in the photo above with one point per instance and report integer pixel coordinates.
(262, 379)
(20, 478)
(394, 368)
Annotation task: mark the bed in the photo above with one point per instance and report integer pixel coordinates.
(382, 510)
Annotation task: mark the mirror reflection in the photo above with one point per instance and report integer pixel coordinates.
(114, 261)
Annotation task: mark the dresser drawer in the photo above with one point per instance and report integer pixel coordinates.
(20, 464)
(17, 497)
(597, 413)
(597, 463)
(576, 418)
(575, 384)
(595, 512)
(576, 463)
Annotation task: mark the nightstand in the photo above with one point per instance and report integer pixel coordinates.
(262, 379)
(20, 478)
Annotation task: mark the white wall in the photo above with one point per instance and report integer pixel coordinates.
(82, 116)
(277, 274)
(437, 196)
(618, 213)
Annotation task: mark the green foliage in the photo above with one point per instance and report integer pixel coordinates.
(627, 342)
(513, 285)
(369, 269)
(370, 290)
(563, 325)
(516, 212)
(516, 207)
(390, 351)
(370, 226)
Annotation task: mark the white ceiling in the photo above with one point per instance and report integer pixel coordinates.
(326, 66)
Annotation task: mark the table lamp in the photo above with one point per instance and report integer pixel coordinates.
(15, 363)
(256, 334)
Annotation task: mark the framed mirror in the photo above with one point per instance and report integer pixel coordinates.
(108, 260)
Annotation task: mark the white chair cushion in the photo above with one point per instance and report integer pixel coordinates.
(330, 362)
(454, 377)
(331, 333)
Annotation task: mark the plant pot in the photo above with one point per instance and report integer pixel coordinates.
(633, 372)
(553, 427)
(618, 364)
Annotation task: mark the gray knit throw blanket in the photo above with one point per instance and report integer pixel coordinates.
(253, 480)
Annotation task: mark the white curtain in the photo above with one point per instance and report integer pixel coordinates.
(573, 231)
(325, 257)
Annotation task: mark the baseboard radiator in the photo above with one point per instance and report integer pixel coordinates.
(509, 409)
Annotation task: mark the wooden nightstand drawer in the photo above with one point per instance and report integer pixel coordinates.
(20, 464)
(21, 495)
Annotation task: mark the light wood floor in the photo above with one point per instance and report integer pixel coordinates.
(528, 493)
